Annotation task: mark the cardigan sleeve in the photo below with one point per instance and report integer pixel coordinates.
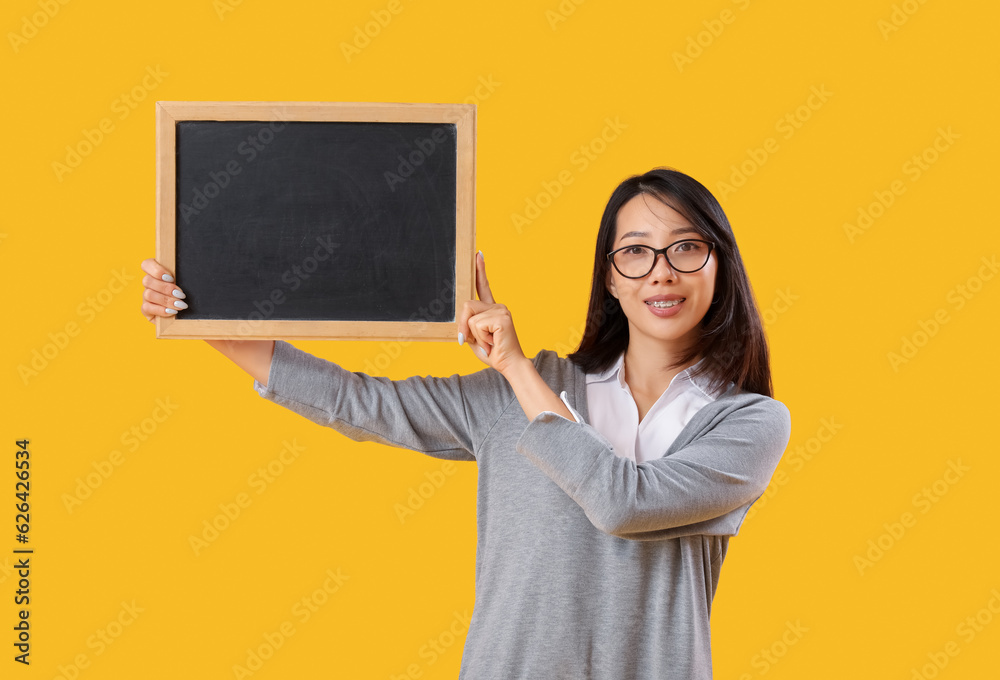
(706, 486)
(576, 415)
(441, 417)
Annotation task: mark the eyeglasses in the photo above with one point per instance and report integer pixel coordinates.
(636, 261)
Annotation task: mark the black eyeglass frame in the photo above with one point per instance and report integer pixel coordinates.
(656, 253)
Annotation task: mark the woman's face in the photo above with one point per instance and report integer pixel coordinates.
(645, 220)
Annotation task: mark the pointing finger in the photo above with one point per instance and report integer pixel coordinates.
(482, 283)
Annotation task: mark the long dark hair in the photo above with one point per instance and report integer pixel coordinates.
(731, 336)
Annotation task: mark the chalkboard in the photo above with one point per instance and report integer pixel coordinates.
(316, 220)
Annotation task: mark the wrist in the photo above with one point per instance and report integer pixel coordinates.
(519, 370)
(532, 392)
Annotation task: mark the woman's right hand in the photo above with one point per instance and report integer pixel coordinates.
(160, 299)
(161, 296)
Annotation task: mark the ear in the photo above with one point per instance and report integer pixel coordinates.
(610, 284)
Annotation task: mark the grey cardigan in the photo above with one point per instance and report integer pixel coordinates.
(588, 565)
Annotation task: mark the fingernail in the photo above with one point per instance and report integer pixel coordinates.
(178, 293)
(180, 304)
(171, 311)
(482, 256)
(483, 352)
(168, 278)
(461, 339)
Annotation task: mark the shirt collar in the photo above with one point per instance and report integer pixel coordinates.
(617, 370)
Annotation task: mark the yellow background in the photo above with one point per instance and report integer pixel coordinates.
(868, 436)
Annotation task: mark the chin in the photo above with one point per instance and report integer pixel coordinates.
(671, 335)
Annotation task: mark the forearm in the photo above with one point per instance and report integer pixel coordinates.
(441, 417)
(533, 393)
(253, 356)
(710, 479)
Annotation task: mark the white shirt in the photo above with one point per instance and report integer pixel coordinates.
(614, 413)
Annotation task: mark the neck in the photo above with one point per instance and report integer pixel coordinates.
(647, 364)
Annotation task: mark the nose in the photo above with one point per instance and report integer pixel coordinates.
(662, 269)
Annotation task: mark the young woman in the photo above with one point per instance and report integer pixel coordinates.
(604, 513)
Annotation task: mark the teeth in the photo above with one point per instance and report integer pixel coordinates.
(665, 303)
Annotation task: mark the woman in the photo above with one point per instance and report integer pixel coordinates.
(604, 513)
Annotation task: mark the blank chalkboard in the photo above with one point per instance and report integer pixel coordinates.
(316, 220)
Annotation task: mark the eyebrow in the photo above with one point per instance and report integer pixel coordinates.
(644, 234)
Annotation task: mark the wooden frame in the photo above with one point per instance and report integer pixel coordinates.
(463, 116)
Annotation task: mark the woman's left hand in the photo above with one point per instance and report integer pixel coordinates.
(488, 328)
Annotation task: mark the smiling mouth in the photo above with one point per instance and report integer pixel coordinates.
(664, 304)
